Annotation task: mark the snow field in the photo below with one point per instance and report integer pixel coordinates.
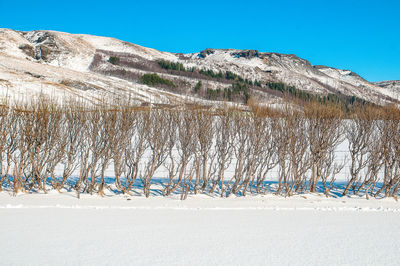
(58, 229)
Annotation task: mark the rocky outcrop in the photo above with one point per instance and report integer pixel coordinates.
(44, 45)
(28, 50)
(247, 54)
(206, 52)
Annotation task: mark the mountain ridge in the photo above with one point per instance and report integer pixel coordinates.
(59, 63)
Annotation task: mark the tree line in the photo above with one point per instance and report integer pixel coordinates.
(44, 145)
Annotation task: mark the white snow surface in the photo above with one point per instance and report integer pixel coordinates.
(59, 229)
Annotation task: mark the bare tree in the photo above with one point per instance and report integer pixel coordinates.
(224, 146)
(135, 149)
(7, 142)
(267, 157)
(20, 157)
(358, 132)
(282, 132)
(186, 147)
(122, 134)
(197, 146)
(325, 131)
(161, 122)
(258, 139)
(376, 151)
(298, 152)
(389, 129)
(70, 141)
(206, 153)
(241, 131)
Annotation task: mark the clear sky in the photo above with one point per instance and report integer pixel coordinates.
(363, 36)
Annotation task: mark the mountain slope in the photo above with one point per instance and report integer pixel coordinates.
(391, 85)
(66, 65)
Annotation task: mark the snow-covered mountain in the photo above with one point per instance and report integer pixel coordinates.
(392, 85)
(66, 65)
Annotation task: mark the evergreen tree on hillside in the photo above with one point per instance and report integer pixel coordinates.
(198, 86)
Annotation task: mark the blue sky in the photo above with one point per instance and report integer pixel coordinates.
(363, 36)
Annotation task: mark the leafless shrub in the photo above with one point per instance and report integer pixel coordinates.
(138, 125)
(186, 147)
(20, 157)
(198, 147)
(160, 125)
(224, 147)
(70, 142)
(325, 133)
(8, 143)
(206, 153)
(358, 131)
(267, 157)
(121, 122)
(389, 129)
(375, 157)
(298, 153)
(94, 150)
(241, 133)
(291, 148)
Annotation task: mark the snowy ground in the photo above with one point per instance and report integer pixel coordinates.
(56, 229)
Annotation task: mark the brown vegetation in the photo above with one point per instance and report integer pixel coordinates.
(44, 145)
